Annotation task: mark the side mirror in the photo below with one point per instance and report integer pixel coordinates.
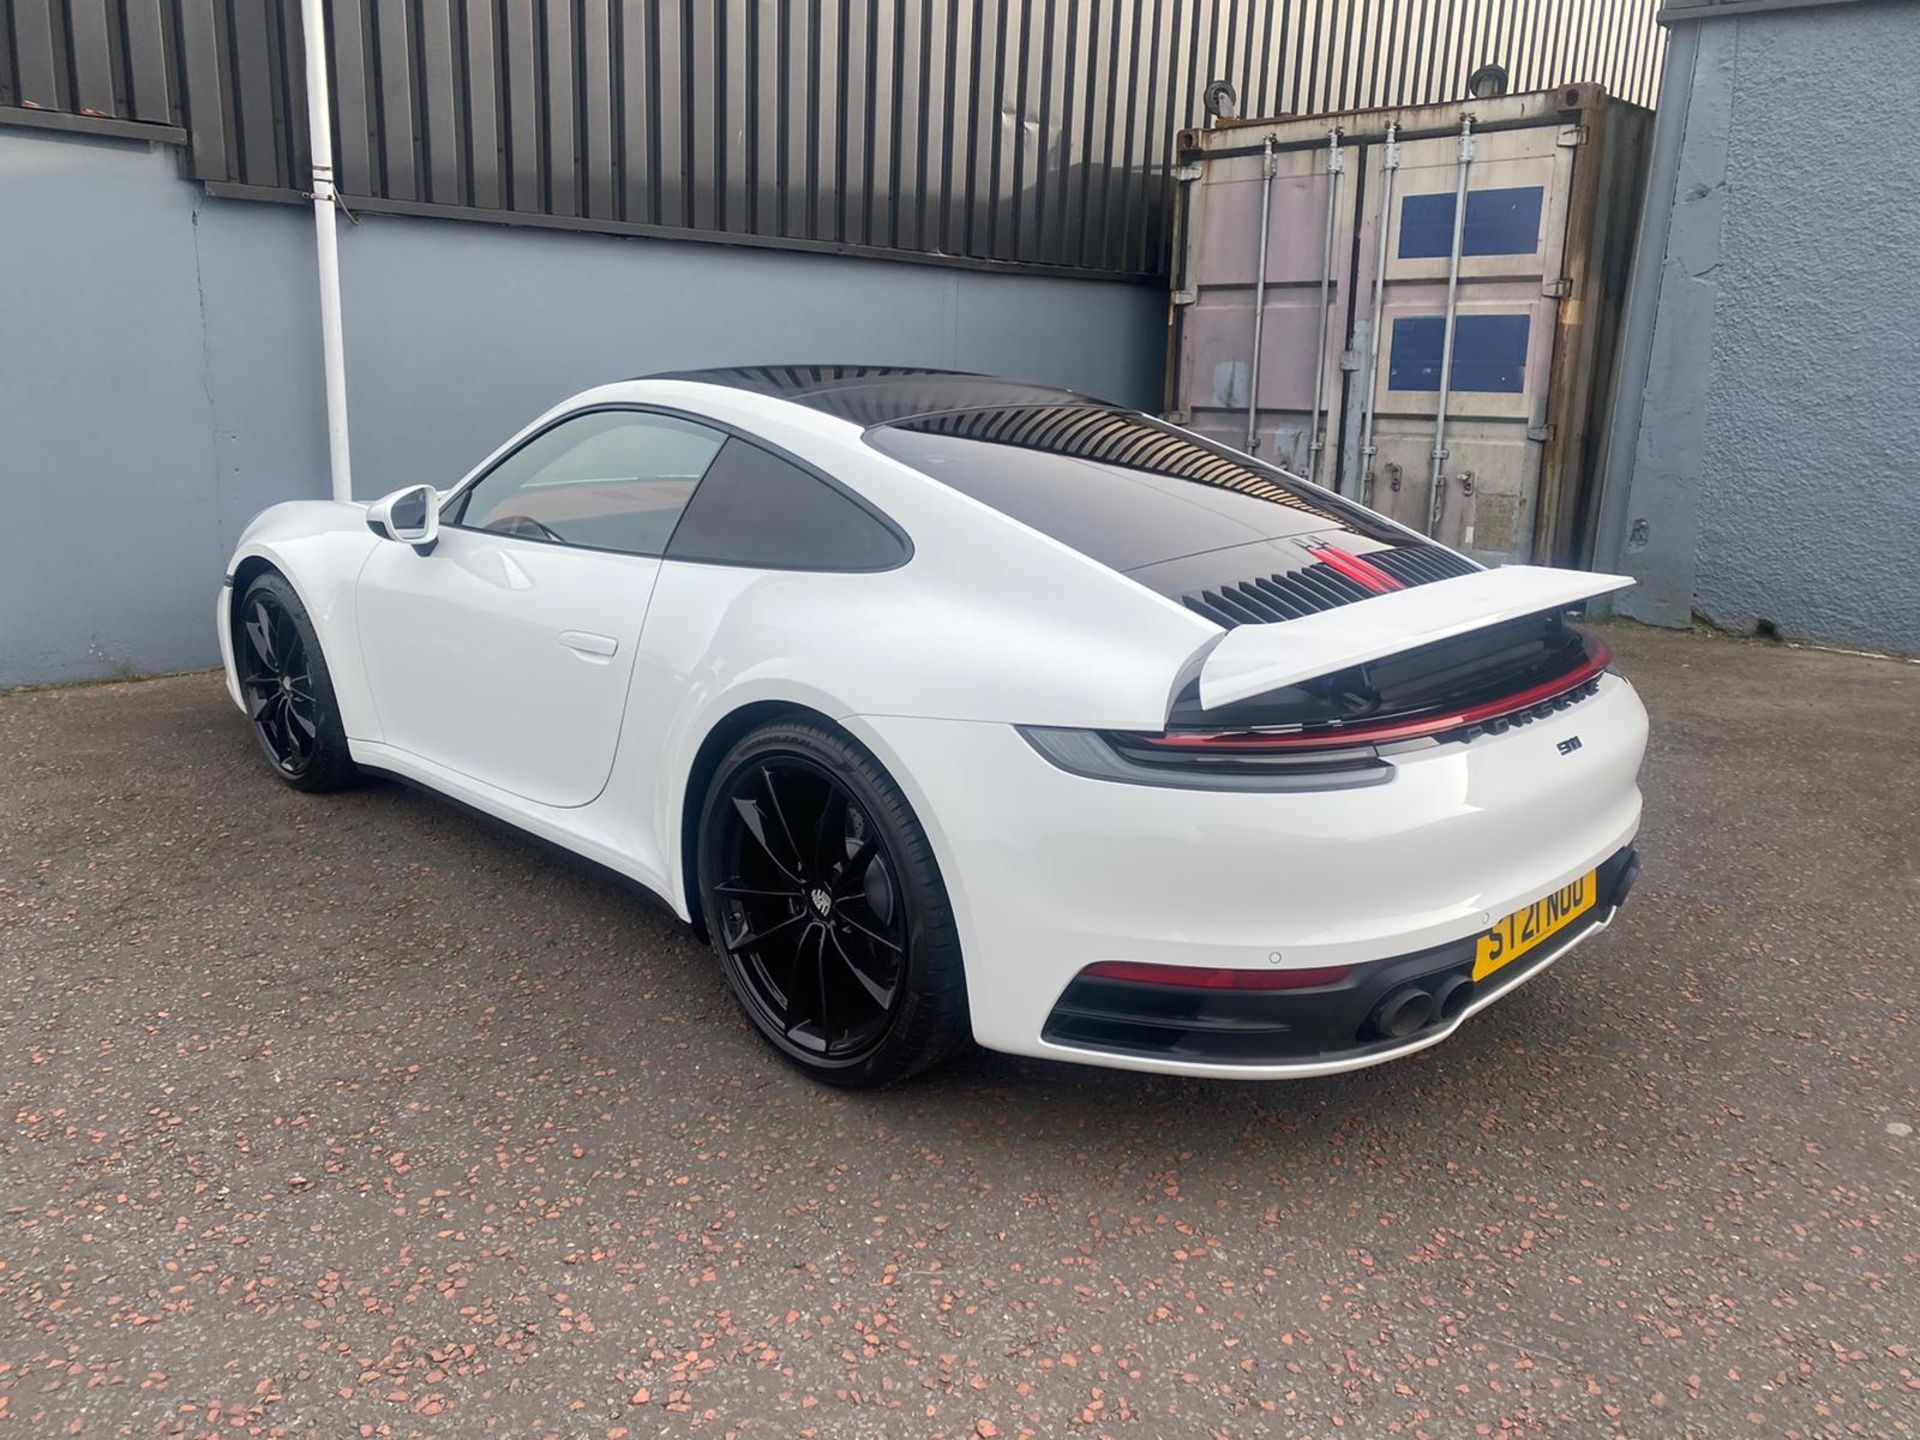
(410, 516)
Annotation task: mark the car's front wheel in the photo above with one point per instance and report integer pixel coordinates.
(822, 898)
(286, 687)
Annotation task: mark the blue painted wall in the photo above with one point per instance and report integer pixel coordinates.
(160, 368)
(1772, 474)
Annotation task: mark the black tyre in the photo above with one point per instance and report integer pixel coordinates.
(823, 900)
(289, 695)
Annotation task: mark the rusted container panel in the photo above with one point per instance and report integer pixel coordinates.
(1552, 188)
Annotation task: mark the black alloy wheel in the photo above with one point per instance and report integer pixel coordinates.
(278, 684)
(288, 693)
(821, 897)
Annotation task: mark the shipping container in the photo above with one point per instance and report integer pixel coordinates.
(1337, 311)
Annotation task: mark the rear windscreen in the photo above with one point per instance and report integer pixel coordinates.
(1115, 485)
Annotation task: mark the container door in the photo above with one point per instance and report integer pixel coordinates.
(1507, 311)
(1216, 335)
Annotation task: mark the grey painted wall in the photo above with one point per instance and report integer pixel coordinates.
(1772, 477)
(160, 368)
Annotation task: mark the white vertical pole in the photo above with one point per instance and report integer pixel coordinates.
(1389, 167)
(1269, 164)
(1316, 441)
(1436, 493)
(332, 349)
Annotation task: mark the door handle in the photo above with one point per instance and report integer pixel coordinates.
(585, 642)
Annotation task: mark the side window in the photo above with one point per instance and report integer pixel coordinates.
(756, 509)
(609, 479)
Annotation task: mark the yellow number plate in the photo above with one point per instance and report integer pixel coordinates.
(1514, 936)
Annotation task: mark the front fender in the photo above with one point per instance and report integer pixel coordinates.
(320, 547)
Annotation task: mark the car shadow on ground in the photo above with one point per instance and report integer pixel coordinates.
(1499, 1051)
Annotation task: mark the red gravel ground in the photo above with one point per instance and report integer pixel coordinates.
(358, 1115)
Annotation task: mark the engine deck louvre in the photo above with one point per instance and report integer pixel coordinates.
(1316, 587)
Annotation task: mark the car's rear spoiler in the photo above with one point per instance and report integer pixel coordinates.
(1253, 659)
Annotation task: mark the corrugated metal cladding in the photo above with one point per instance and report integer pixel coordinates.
(1035, 132)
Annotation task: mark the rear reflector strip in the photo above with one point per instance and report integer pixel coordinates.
(1200, 978)
(1335, 736)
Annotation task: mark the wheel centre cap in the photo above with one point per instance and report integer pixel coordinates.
(286, 682)
(821, 901)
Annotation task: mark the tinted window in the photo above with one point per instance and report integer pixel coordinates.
(1115, 485)
(753, 508)
(611, 479)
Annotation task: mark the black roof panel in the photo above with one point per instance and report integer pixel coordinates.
(881, 394)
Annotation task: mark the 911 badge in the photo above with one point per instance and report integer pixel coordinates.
(1568, 745)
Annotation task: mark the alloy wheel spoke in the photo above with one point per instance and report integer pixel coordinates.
(285, 639)
(756, 823)
(785, 991)
(880, 995)
(273, 725)
(855, 873)
(792, 1015)
(740, 890)
(780, 814)
(283, 718)
(872, 935)
(259, 632)
(826, 839)
(300, 715)
(750, 940)
(820, 979)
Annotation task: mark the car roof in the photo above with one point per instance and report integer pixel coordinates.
(1177, 511)
(869, 395)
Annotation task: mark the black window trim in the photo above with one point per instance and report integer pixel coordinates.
(461, 492)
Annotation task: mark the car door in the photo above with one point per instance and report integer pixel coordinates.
(506, 653)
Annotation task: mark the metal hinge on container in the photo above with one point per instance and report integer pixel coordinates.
(1540, 434)
(1187, 172)
(1558, 289)
(1185, 297)
(1572, 136)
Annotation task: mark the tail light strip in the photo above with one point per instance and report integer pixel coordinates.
(1597, 660)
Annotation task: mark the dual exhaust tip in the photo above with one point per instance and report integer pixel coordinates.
(1404, 1012)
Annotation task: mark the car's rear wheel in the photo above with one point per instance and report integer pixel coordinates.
(286, 687)
(823, 900)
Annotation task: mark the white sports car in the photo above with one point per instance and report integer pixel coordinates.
(958, 708)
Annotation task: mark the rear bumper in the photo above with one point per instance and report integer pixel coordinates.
(1314, 1031)
(1050, 872)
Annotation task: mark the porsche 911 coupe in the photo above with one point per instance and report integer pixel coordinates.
(953, 709)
